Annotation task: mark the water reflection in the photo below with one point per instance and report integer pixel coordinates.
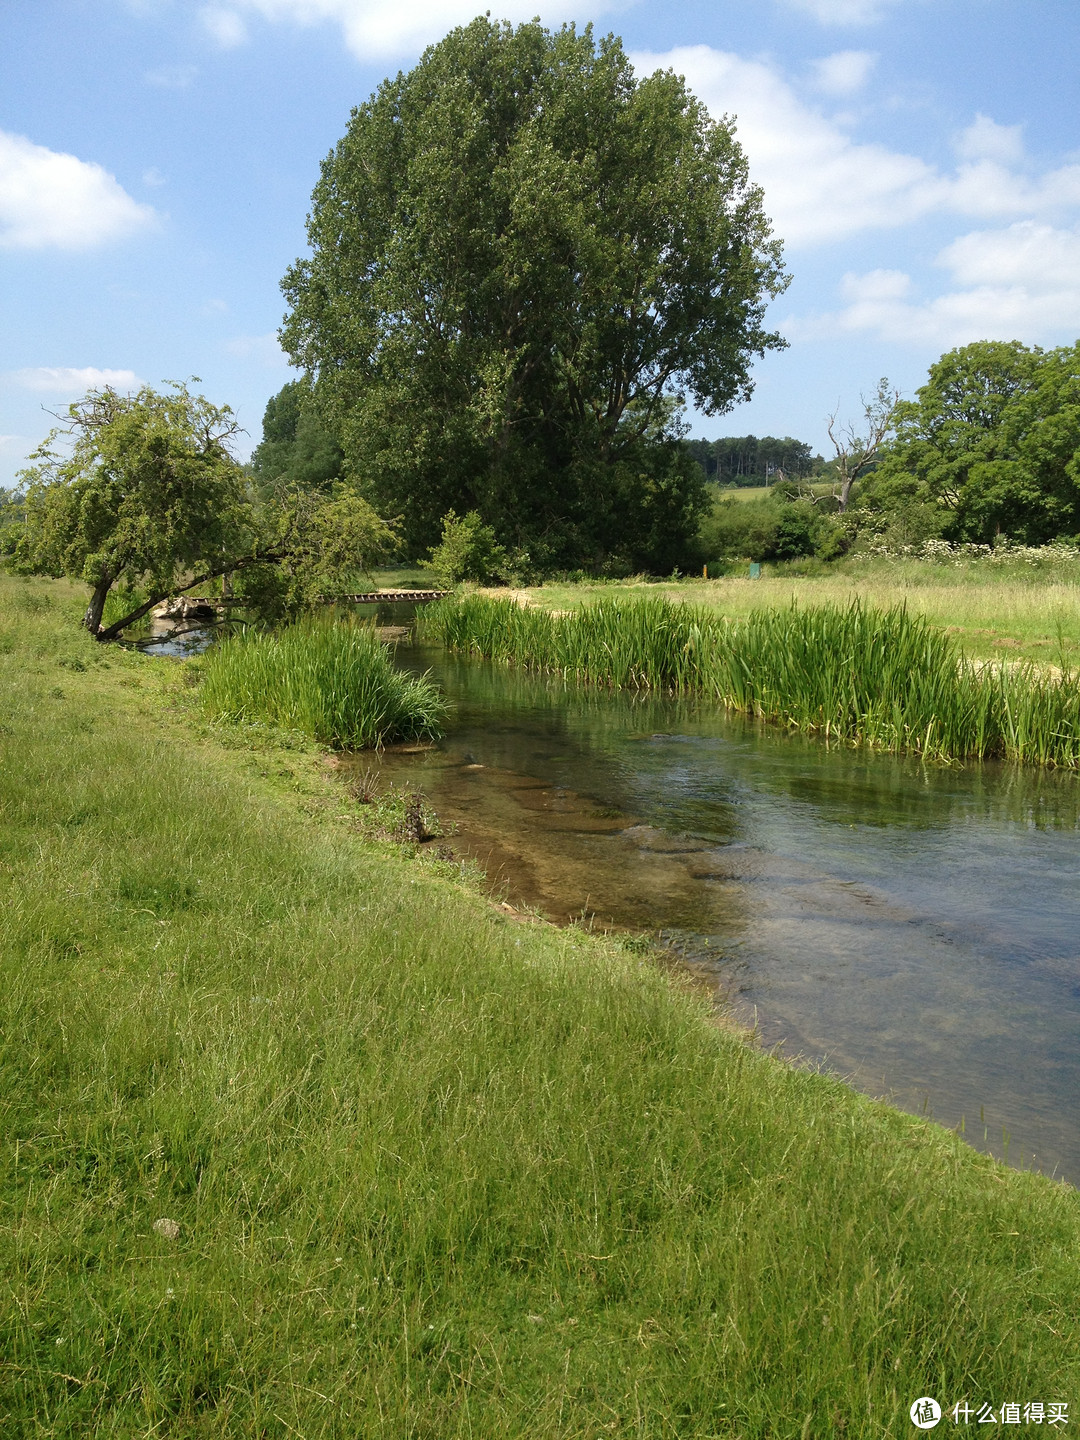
(178, 640)
(915, 927)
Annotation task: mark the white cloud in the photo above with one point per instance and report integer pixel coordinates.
(988, 188)
(1029, 254)
(843, 12)
(376, 29)
(224, 26)
(1020, 283)
(821, 185)
(72, 380)
(153, 177)
(985, 139)
(263, 349)
(49, 199)
(843, 73)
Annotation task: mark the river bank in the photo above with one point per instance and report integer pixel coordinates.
(429, 1172)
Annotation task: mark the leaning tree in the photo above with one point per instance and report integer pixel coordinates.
(523, 257)
(143, 491)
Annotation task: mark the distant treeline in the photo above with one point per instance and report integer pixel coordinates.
(748, 460)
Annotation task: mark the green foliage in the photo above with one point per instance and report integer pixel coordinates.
(781, 526)
(881, 678)
(435, 1174)
(331, 680)
(319, 543)
(12, 516)
(468, 550)
(523, 256)
(326, 537)
(147, 491)
(795, 535)
(992, 443)
(296, 451)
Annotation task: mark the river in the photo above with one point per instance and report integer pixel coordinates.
(914, 928)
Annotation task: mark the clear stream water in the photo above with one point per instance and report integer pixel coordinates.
(914, 928)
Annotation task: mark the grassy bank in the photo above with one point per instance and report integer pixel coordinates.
(329, 679)
(881, 678)
(432, 1173)
(994, 611)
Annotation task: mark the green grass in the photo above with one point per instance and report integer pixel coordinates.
(882, 678)
(742, 493)
(329, 679)
(995, 611)
(387, 577)
(435, 1173)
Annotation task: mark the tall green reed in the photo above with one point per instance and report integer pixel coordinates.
(883, 678)
(332, 680)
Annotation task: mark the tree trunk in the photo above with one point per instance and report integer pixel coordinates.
(232, 566)
(96, 608)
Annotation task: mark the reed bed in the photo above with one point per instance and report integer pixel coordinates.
(331, 680)
(882, 678)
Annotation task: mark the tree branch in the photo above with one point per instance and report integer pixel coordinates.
(111, 631)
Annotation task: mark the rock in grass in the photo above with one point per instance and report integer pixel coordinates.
(167, 1228)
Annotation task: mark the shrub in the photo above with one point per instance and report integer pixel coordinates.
(468, 551)
(779, 527)
(794, 536)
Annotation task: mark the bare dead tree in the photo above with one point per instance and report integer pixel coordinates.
(856, 452)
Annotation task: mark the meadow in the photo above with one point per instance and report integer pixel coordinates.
(306, 1138)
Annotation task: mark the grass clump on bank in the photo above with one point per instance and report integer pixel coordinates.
(886, 678)
(430, 1173)
(331, 680)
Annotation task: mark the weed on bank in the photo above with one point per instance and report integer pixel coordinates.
(330, 679)
(302, 1139)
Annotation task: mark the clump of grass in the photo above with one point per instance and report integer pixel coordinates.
(884, 678)
(331, 680)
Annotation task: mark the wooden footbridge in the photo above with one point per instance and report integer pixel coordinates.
(191, 606)
(384, 597)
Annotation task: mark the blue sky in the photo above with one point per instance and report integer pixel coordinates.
(920, 158)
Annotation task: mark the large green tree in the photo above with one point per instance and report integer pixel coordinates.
(992, 440)
(521, 253)
(297, 451)
(143, 491)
